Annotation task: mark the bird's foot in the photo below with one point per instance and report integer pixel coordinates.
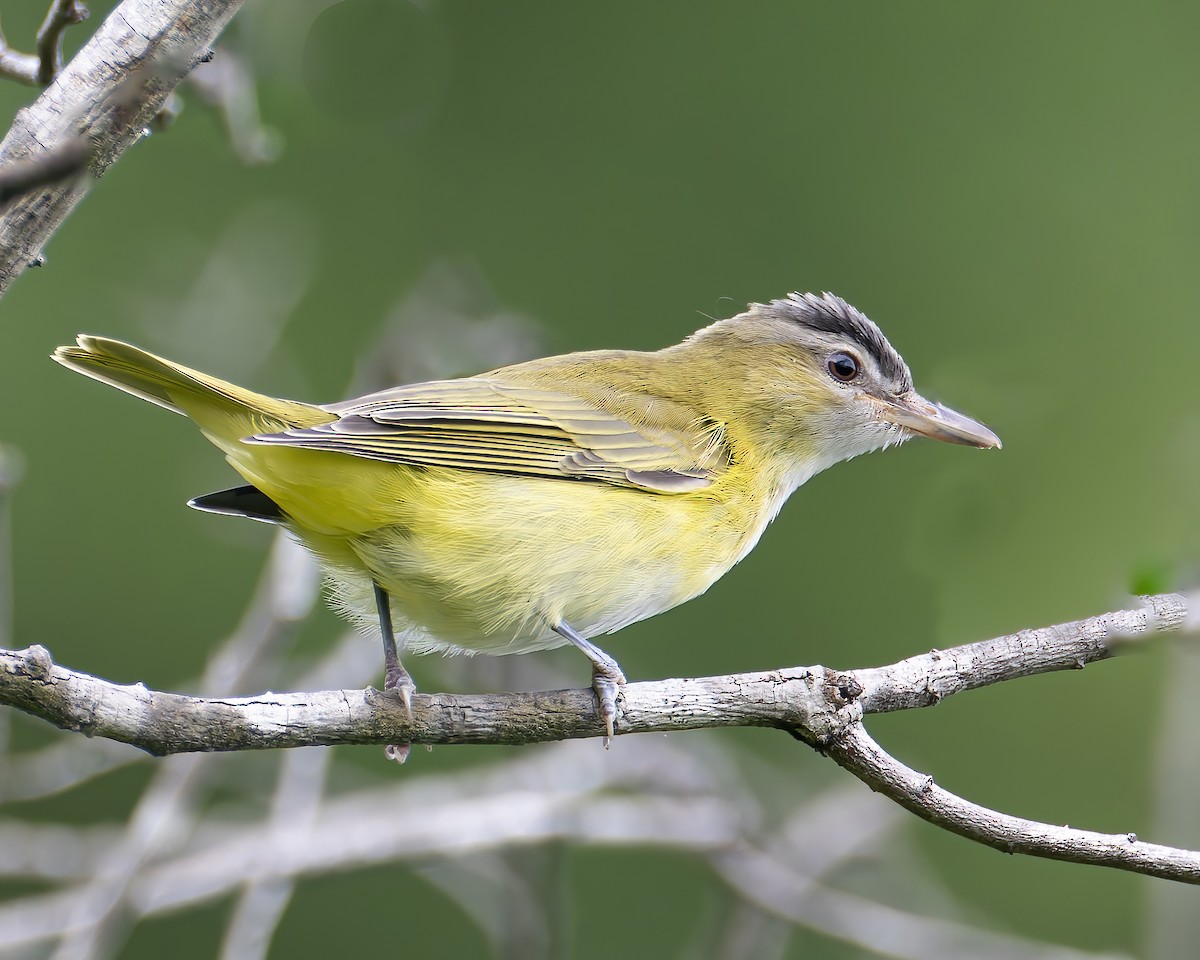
(607, 679)
(609, 683)
(399, 680)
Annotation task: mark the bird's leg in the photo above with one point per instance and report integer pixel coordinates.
(395, 677)
(607, 678)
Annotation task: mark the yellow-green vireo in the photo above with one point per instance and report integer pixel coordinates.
(556, 500)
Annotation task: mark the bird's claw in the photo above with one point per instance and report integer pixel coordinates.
(398, 679)
(608, 685)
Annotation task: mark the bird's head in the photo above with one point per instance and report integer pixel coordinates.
(817, 370)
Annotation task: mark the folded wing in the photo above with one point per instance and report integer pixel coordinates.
(488, 424)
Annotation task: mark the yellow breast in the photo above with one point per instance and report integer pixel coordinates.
(478, 562)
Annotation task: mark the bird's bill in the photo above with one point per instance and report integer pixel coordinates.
(913, 412)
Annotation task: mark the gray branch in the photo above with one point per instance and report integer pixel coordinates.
(821, 706)
(106, 97)
(653, 791)
(818, 704)
(62, 14)
(68, 159)
(41, 68)
(926, 680)
(15, 65)
(917, 792)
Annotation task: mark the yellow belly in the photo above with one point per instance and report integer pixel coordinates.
(479, 562)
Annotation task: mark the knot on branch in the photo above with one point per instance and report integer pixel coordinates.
(827, 709)
(38, 662)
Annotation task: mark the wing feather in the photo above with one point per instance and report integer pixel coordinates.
(496, 426)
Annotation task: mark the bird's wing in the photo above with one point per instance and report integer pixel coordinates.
(496, 426)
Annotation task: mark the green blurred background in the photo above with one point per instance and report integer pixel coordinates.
(1011, 192)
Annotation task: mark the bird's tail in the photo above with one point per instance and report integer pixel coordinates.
(222, 410)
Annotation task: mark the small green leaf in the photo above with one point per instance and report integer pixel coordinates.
(1152, 577)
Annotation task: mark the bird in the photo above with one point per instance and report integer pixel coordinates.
(557, 500)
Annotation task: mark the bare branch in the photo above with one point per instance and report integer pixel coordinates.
(99, 918)
(782, 876)
(926, 680)
(166, 723)
(18, 177)
(41, 68)
(12, 467)
(106, 96)
(62, 14)
(1172, 925)
(53, 851)
(820, 706)
(226, 85)
(560, 793)
(817, 703)
(15, 65)
(869, 925)
(465, 826)
(653, 792)
(917, 792)
(62, 766)
(261, 906)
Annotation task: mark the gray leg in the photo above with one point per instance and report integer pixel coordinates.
(607, 678)
(395, 677)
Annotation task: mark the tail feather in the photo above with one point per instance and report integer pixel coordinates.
(247, 501)
(176, 387)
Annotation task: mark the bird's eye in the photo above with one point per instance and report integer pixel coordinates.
(842, 367)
